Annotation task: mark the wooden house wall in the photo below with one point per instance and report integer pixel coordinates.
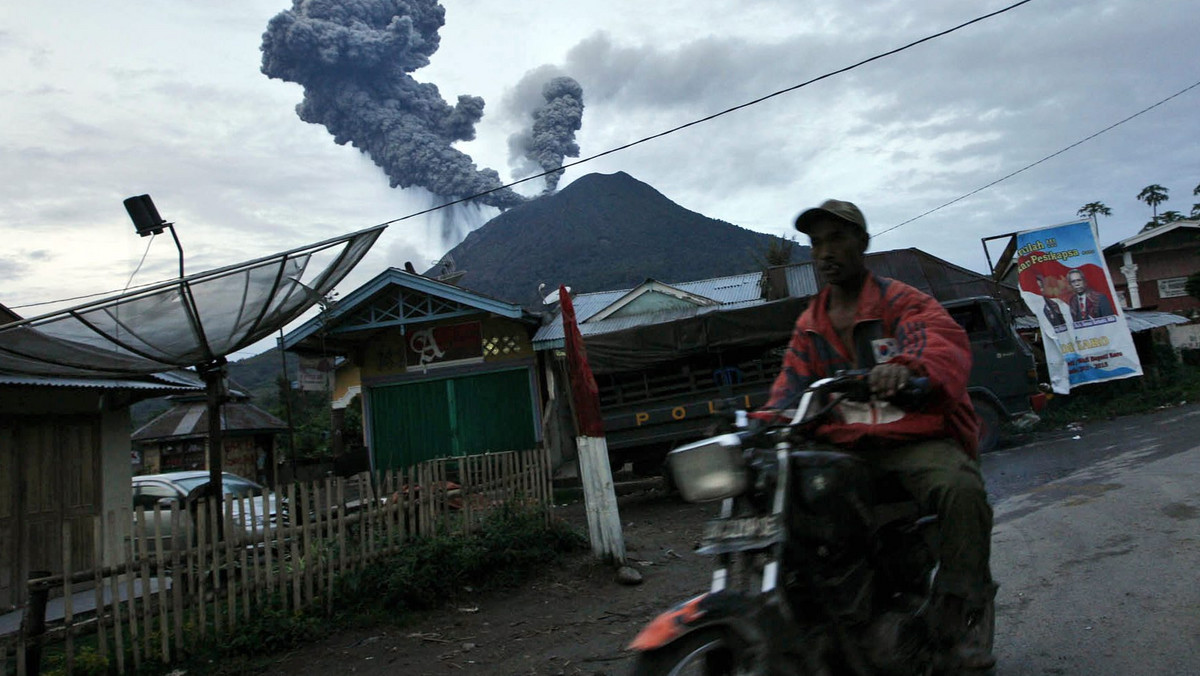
(63, 459)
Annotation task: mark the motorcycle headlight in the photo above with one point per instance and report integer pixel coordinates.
(709, 470)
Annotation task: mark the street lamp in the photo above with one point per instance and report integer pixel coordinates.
(147, 221)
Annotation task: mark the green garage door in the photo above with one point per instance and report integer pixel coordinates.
(456, 416)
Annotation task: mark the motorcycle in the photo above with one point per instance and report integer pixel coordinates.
(822, 567)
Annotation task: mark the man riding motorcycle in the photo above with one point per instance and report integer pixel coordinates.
(861, 321)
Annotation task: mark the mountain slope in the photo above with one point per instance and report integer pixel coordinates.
(603, 232)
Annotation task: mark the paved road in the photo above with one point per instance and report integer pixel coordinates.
(1097, 549)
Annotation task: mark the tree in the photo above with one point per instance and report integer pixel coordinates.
(1169, 217)
(1091, 209)
(1154, 195)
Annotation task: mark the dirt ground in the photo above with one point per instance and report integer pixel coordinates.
(574, 619)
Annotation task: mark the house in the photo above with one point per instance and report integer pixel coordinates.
(439, 370)
(1150, 269)
(178, 438)
(64, 460)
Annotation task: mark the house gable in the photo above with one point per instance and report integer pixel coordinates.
(652, 296)
(396, 298)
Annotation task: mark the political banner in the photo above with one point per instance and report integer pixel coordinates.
(1064, 281)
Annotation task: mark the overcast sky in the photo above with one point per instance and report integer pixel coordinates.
(104, 100)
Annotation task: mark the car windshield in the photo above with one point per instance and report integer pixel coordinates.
(231, 485)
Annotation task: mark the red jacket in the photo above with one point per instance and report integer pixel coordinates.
(896, 323)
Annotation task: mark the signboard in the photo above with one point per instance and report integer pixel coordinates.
(316, 374)
(1065, 283)
(442, 344)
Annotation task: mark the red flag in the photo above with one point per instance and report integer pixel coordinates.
(583, 385)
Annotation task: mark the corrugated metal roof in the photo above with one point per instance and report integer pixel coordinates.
(1138, 320)
(190, 419)
(551, 335)
(731, 289)
(177, 381)
(731, 292)
(802, 280)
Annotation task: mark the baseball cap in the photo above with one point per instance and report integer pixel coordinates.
(842, 211)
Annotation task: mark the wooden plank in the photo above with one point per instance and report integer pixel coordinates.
(131, 590)
(246, 541)
(330, 562)
(232, 534)
(68, 600)
(386, 494)
(115, 584)
(160, 574)
(343, 559)
(257, 546)
(179, 576)
(293, 570)
(466, 484)
(147, 595)
(200, 589)
(319, 538)
(306, 545)
(97, 588)
(272, 534)
(213, 511)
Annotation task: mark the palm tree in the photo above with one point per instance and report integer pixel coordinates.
(1154, 195)
(1092, 208)
(1170, 217)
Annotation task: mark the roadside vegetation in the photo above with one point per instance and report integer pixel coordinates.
(511, 546)
(1169, 382)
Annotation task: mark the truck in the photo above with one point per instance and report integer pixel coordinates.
(649, 411)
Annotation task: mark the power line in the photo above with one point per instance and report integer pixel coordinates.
(640, 141)
(714, 116)
(1048, 157)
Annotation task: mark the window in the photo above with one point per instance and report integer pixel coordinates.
(1172, 288)
(148, 494)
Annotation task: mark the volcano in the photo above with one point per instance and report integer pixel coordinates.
(603, 232)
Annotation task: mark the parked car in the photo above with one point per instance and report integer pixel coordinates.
(183, 489)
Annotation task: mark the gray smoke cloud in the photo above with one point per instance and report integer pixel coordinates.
(555, 102)
(557, 111)
(353, 58)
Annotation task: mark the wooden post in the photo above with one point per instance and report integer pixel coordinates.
(33, 626)
(599, 497)
(68, 599)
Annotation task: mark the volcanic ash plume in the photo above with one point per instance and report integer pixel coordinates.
(554, 127)
(555, 104)
(353, 58)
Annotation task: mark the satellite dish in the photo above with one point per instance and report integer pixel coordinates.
(191, 321)
(553, 297)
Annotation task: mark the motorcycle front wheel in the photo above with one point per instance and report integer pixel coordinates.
(707, 652)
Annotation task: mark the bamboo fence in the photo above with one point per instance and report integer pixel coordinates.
(187, 576)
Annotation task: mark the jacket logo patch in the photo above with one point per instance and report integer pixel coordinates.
(884, 349)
